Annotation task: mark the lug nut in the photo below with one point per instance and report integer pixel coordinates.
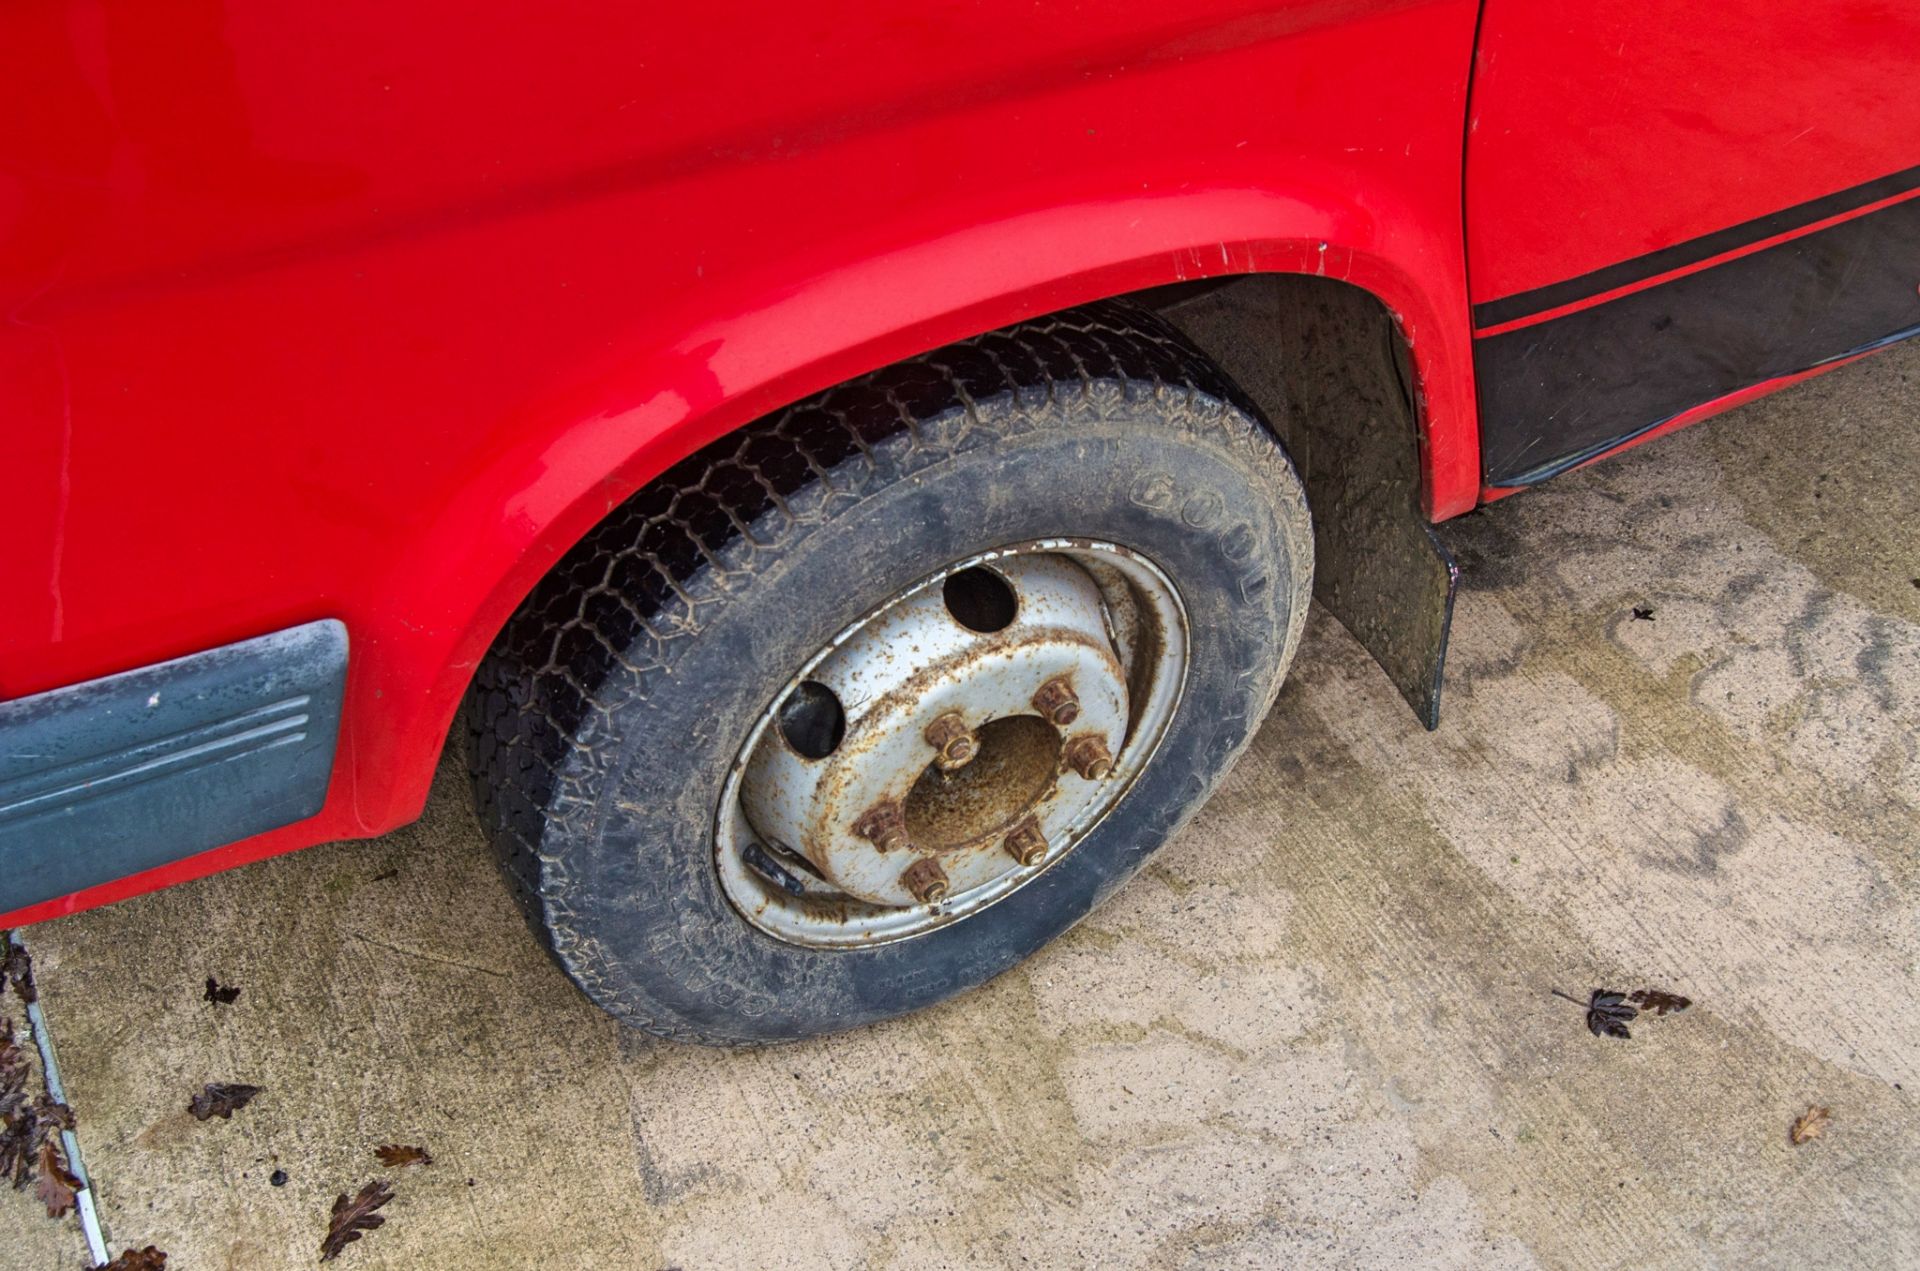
(926, 880)
(1056, 700)
(884, 825)
(956, 743)
(1087, 755)
(1025, 843)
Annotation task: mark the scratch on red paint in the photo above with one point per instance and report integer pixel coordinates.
(64, 495)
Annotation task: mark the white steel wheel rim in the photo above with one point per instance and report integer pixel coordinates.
(955, 744)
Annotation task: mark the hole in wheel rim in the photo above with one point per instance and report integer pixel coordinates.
(1018, 761)
(980, 600)
(812, 720)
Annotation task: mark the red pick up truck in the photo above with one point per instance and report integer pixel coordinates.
(849, 477)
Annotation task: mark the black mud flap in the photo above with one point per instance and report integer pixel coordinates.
(1326, 367)
(1381, 570)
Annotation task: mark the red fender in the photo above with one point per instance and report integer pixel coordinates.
(402, 416)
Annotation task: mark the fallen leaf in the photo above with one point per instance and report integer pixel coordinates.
(1608, 1014)
(19, 1126)
(1810, 1125)
(16, 967)
(13, 1071)
(58, 1190)
(30, 1132)
(350, 1219)
(16, 1152)
(147, 1259)
(224, 995)
(52, 1115)
(1642, 614)
(399, 1155)
(1658, 1002)
(25, 1122)
(221, 1099)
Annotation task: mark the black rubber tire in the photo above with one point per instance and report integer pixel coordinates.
(604, 721)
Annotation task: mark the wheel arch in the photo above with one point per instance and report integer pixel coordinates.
(589, 447)
(584, 448)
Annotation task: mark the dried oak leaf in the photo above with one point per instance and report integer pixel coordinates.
(27, 1125)
(399, 1155)
(147, 1259)
(1658, 1002)
(1810, 1125)
(58, 1190)
(221, 1099)
(351, 1219)
(221, 994)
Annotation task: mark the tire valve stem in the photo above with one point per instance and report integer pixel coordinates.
(1087, 755)
(1057, 701)
(761, 862)
(1025, 843)
(956, 743)
(884, 825)
(926, 880)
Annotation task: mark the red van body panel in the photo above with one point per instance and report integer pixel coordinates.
(369, 311)
(1670, 206)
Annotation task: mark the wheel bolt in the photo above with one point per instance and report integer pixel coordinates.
(884, 825)
(1025, 843)
(956, 743)
(1056, 700)
(926, 880)
(1087, 755)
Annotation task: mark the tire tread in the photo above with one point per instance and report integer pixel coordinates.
(638, 585)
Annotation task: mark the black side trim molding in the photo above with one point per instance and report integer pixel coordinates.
(1524, 304)
(117, 775)
(1561, 391)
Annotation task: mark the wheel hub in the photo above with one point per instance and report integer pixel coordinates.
(952, 744)
(917, 677)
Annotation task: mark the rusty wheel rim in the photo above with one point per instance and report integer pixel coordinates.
(952, 744)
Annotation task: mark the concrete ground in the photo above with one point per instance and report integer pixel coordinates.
(1316, 1031)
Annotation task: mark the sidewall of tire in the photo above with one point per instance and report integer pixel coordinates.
(631, 898)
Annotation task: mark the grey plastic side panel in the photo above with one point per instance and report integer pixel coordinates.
(117, 775)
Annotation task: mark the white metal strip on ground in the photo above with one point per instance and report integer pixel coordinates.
(50, 1071)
